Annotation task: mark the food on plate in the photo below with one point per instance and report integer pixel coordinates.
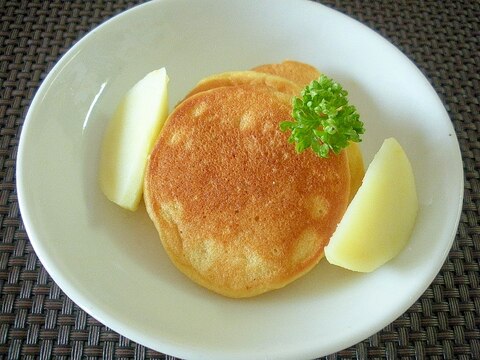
(237, 209)
(379, 221)
(129, 138)
(240, 210)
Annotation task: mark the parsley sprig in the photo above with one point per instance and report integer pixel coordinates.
(323, 119)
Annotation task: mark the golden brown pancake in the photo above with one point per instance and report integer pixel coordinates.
(295, 71)
(357, 169)
(299, 75)
(303, 74)
(252, 78)
(276, 77)
(237, 210)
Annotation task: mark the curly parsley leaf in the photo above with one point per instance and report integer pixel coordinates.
(323, 119)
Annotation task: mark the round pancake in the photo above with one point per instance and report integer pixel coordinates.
(237, 210)
(303, 74)
(298, 72)
(252, 78)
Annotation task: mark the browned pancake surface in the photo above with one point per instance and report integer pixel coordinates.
(302, 74)
(236, 208)
(295, 71)
(253, 78)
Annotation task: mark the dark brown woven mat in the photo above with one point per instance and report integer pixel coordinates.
(38, 321)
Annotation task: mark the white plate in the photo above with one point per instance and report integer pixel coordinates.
(110, 261)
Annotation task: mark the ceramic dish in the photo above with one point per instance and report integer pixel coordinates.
(110, 261)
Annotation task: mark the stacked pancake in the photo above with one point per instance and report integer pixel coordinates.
(236, 208)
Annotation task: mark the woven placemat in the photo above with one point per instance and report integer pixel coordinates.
(37, 321)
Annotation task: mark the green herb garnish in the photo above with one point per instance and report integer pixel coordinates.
(323, 119)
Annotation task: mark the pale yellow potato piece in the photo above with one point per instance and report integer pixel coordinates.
(129, 139)
(379, 221)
